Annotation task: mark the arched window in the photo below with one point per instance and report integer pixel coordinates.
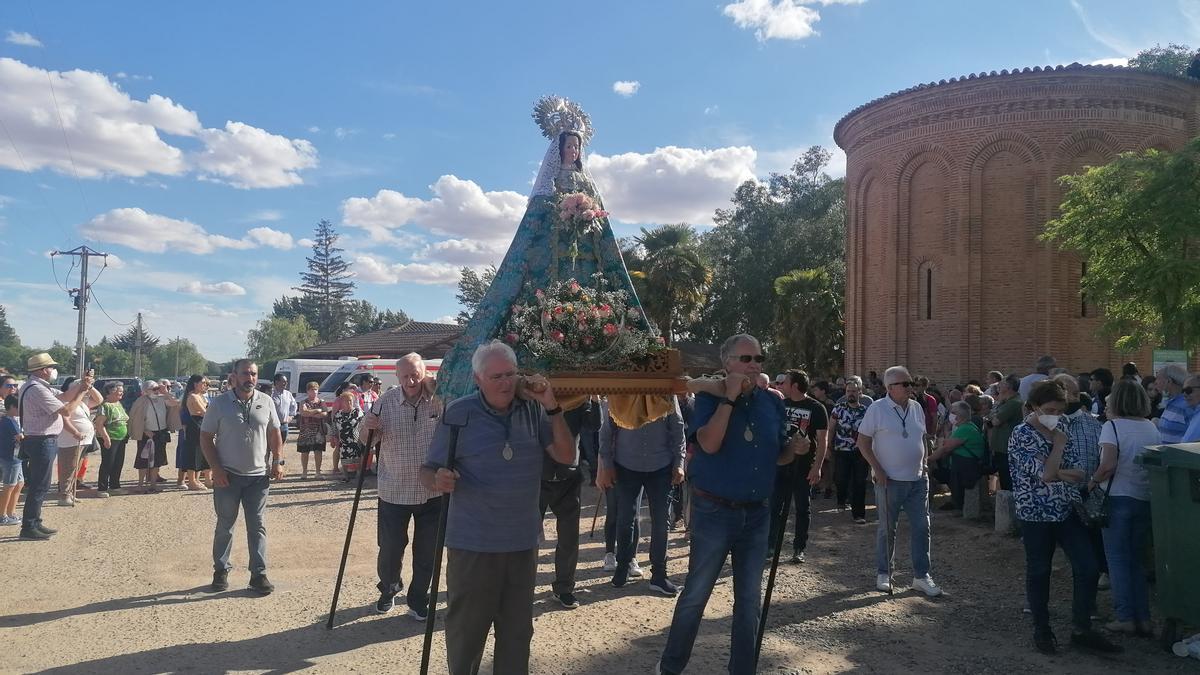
(925, 291)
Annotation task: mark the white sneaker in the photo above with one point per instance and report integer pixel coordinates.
(610, 562)
(635, 570)
(927, 586)
(883, 583)
(1103, 584)
(66, 501)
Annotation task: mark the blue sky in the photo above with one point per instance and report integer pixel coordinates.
(200, 142)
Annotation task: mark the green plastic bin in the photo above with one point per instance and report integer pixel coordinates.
(1175, 506)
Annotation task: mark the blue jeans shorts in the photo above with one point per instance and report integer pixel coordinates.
(10, 472)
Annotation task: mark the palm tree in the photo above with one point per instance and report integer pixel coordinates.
(670, 274)
(808, 320)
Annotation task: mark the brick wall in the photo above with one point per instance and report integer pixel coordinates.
(948, 186)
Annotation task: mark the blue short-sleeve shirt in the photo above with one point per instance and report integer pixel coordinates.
(494, 507)
(743, 470)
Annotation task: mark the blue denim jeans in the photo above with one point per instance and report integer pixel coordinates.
(717, 532)
(911, 496)
(612, 516)
(249, 492)
(41, 451)
(1124, 539)
(657, 485)
(1040, 539)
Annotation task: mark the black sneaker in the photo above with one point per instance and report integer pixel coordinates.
(567, 600)
(220, 580)
(1045, 642)
(33, 534)
(45, 530)
(621, 576)
(797, 558)
(663, 585)
(385, 604)
(1095, 642)
(420, 614)
(261, 585)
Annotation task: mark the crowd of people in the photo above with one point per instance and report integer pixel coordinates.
(733, 461)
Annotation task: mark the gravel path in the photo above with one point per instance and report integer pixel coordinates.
(123, 589)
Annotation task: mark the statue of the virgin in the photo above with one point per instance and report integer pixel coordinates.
(543, 251)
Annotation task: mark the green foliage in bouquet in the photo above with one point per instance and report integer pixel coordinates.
(568, 326)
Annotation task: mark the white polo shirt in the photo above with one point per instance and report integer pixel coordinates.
(886, 422)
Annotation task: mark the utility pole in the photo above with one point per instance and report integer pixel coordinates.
(137, 350)
(81, 300)
(176, 357)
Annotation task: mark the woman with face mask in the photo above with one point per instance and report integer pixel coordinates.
(964, 447)
(1045, 479)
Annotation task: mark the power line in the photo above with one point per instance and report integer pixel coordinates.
(119, 323)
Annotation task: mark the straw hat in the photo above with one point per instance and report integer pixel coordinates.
(39, 361)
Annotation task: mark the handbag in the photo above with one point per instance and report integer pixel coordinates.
(1093, 509)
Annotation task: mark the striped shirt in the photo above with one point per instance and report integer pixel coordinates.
(406, 430)
(1083, 431)
(39, 408)
(1175, 418)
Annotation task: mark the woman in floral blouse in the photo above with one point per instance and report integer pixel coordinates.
(1046, 478)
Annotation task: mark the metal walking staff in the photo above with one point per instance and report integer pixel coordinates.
(440, 547)
(362, 474)
(889, 533)
(777, 538)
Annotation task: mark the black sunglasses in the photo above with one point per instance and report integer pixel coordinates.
(757, 358)
(903, 384)
(1187, 391)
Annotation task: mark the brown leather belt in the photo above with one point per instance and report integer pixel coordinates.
(729, 503)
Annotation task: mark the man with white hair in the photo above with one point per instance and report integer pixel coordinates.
(890, 438)
(1178, 412)
(1191, 390)
(1041, 371)
(492, 530)
(405, 418)
(742, 438)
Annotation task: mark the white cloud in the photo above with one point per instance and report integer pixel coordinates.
(1117, 61)
(314, 130)
(111, 133)
(22, 39)
(389, 136)
(342, 133)
(219, 288)
(671, 184)
(122, 75)
(458, 208)
(446, 318)
(152, 233)
(466, 251)
(372, 270)
(248, 157)
(1097, 33)
(213, 311)
(712, 109)
(306, 243)
(266, 236)
(779, 19)
(781, 161)
(265, 215)
(626, 88)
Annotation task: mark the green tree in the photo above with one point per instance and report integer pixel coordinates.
(472, 288)
(808, 325)
(178, 358)
(670, 275)
(1134, 221)
(793, 221)
(366, 318)
(326, 287)
(109, 360)
(63, 355)
(128, 341)
(274, 338)
(8, 336)
(1173, 59)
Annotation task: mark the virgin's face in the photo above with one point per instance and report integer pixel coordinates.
(570, 150)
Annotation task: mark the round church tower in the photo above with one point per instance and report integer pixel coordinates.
(948, 186)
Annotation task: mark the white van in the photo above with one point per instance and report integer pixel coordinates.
(384, 369)
(300, 372)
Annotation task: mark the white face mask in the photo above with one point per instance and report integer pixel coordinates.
(1048, 421)
(53, 374)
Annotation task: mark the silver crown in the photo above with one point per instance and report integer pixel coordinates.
(556, 114)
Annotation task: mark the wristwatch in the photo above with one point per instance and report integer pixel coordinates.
(555, 410)
(729, 402)
(278, 462)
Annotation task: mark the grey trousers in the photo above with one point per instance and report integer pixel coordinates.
(486, 590)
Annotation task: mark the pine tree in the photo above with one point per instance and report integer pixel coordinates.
(8, 336)
(127, 341)
(326, 286)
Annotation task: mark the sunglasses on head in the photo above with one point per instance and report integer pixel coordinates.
(903, 384)
(757, 358)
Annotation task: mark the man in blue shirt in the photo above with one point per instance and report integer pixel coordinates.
(493, 524)
(742, 438)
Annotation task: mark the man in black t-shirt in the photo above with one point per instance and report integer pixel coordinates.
(807, 416)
